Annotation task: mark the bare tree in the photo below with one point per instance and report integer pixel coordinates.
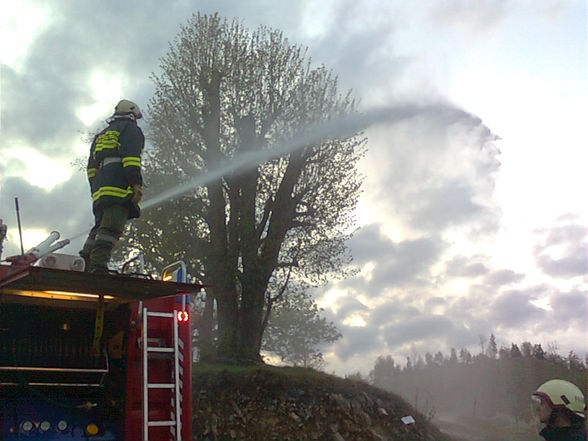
(482, 344)
(453, 357)
(492, 348)
(224, 92)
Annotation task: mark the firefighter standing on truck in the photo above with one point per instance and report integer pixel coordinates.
(114, 174)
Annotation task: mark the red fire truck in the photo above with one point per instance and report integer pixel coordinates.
(93, 357)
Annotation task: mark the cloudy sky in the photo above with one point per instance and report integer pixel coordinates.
(468, 226)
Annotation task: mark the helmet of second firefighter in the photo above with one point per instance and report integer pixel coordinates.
(563, 395)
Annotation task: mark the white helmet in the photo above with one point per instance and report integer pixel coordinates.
(125, 107)
(562, 394)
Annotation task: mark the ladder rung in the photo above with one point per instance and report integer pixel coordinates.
(159, 349)
(161, 423)
(160, 314)
(161, 385)
(154, 340)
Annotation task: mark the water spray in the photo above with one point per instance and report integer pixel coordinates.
(341, 127)
(336, 128)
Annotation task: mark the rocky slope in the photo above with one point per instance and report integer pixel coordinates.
(279, 403)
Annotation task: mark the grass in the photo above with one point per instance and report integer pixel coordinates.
(279, 377)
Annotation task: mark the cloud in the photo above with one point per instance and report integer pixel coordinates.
(436, 175)
(462, 266)
(569, 232)
(409, 264)
(357, 341)
(569, 309)
(561, 250)
(471, 17)
(40, 101)
(421, 327)
(435, 302)
(513, 309)
(368, 244)
(450, 203)
(67, 208)
(395, 263)
(39, 105)
(347, 306)
(392, 310)
(503, 277)
(357, 43)
(572, 265)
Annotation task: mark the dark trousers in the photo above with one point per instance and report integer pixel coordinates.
(109, 223)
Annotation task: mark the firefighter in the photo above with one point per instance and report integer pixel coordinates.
(114, 174)
(561, 408)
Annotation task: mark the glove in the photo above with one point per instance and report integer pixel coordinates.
(137, 194)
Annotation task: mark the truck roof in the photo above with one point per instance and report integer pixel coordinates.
(32, 281)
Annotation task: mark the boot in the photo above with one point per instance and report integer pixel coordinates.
(100, 256)
(85, 253)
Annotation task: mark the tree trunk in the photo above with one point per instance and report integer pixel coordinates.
(205, 324)
(224, 292)
(221, 266)
(250, 328)
(251, 315)
(227, 319)
(255, 278)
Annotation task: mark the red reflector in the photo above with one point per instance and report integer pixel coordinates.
(183, 316)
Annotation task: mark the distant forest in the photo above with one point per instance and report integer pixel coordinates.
(495, 382)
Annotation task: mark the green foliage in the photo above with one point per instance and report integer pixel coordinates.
(296, 330)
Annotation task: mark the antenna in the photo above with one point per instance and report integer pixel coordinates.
(3, 230)
(19, 228)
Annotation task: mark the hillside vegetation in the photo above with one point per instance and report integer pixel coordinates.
(284, 403)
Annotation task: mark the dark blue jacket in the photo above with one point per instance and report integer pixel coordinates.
(114, 165)
(576, 432)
